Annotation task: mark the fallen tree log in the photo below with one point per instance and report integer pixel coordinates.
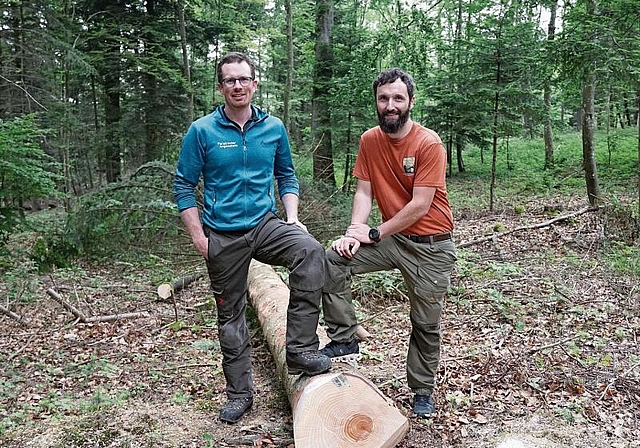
(166, 290)
(336, 409)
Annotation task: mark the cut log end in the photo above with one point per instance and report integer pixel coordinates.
(165, 291)
(347, 411)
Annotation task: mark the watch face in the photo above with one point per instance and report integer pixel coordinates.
(374, 235)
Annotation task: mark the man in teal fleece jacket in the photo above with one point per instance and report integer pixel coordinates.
(238, 150)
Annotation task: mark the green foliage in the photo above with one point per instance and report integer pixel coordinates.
(523, 174)
(379, 285)
(20, 280)
(499, 227)
(623, 258)
(53, 250)
(133, 215)
(10, 219)
(26, 171)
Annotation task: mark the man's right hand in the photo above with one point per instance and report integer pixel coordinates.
(202, 244)
(346, 246)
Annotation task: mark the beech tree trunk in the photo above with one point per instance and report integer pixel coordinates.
(335, 409)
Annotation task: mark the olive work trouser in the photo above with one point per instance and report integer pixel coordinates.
(426, 269)
(275, 242)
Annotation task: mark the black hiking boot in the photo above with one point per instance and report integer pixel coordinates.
(310, 363)
(235, 408)
(423, 405)
(342, 351)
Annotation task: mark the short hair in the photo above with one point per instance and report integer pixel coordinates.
(235, 58)
(391, 75)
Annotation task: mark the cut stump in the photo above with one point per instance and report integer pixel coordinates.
(336, 409)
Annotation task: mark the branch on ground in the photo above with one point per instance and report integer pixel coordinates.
(530, 227)
(7, 312)
(92, 319)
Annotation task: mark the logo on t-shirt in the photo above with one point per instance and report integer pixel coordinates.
(409, 165)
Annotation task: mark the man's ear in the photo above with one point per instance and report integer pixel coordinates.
(412, 102)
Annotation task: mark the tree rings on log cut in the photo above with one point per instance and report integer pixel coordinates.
(346, 410)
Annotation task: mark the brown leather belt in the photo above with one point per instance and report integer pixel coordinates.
(430, 238)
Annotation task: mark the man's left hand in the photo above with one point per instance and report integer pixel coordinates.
(295, 222)
(360, 232)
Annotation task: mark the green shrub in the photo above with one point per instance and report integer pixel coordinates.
(25, 169)
(53, 251)
(134, 215)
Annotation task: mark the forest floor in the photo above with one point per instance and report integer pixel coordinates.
(540, 349)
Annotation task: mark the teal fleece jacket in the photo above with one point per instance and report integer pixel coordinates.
(238, 168)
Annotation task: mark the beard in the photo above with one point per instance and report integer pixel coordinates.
(393, 126)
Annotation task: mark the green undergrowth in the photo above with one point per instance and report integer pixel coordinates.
(521, 175)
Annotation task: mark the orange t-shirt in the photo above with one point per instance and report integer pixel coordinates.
(394, 167)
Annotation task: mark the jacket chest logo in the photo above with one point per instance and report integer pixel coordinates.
(227, 145)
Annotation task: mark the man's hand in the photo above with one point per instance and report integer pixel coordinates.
(346, 246)
(359, 232)
(295, 222)
(202, 244)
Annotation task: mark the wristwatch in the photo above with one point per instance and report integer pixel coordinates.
(374, 235)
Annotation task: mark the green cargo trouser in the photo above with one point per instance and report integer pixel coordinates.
(275, 242)
(426, 269)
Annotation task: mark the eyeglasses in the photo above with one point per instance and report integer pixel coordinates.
(231, 82)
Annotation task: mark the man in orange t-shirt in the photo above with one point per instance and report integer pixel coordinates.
(402, 165)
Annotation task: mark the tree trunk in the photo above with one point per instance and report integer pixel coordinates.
(459, 149)
(588, 122)
(494, 147)
(638, 125)
(150, 81)
(286, 94)
(111, 82)
(347, 178)
(335, 409)
(588, 142)
(186, 68)
(548, 128)
(323, 169)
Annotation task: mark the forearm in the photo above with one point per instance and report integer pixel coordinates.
(362, 204)
(191, 220)
(409, 214)
(415, 209)
(290, 202)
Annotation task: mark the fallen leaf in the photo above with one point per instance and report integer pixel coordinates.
(479, 418)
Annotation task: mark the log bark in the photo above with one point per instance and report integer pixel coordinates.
(337, 409)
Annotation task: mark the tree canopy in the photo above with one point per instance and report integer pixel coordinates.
(118, 82)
